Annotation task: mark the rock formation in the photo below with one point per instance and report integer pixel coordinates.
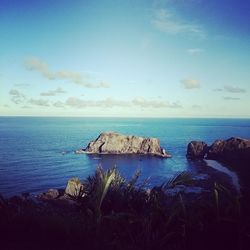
(233, 150)
(196, 149)
(50, 194)
(74, 188)
(114, 143)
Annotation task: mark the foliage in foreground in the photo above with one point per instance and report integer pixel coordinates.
(119, 214)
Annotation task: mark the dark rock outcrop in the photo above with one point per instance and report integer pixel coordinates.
(114, 143)
(73, 191)
(50, 194)
(233, 150)
(196, 149)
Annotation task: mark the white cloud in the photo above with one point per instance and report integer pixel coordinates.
(76, 102)
(96, 85)
(36, 64)
(104, 85)
(195, 51)
(230, 98)
(218, 90)
(166, 21)
(190, 83)
(175, 105)
(22, 85)
(144, 103)
(53, 92)
(59, 104)
(16, 96)
(108, 103)
(234, 89)
(196, 106)
(39, 102)
(26, 107)
(231, 89)
(154, 103)
(111, 102)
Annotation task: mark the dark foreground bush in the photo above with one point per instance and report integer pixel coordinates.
(114, 213)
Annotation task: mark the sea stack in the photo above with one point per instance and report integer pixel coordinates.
(196, 150)
(115, 143)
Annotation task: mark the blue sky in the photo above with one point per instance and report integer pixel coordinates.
(172, 58)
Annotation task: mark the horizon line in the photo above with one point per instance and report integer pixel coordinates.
(131, 117)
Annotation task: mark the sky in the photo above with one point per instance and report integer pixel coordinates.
(124, 58)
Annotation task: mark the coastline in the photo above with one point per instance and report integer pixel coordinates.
(108, 201)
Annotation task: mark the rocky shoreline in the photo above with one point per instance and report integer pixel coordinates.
(233, 151)
(106, 208)
(95, 212)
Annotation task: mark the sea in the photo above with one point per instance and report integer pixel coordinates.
(38, 153)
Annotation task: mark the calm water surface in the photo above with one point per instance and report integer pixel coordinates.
(38, 153)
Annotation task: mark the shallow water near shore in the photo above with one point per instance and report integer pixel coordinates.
(37, 153)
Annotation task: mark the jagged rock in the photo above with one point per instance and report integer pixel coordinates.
(234, 149)
(74, 188)
(231, 151)
(196, 149)
(50, 194)
(114, 143)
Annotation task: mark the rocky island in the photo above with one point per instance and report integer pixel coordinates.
(115, 143)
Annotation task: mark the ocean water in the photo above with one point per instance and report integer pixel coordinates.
(37, 153)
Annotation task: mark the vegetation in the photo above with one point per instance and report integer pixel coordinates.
(117, 214)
